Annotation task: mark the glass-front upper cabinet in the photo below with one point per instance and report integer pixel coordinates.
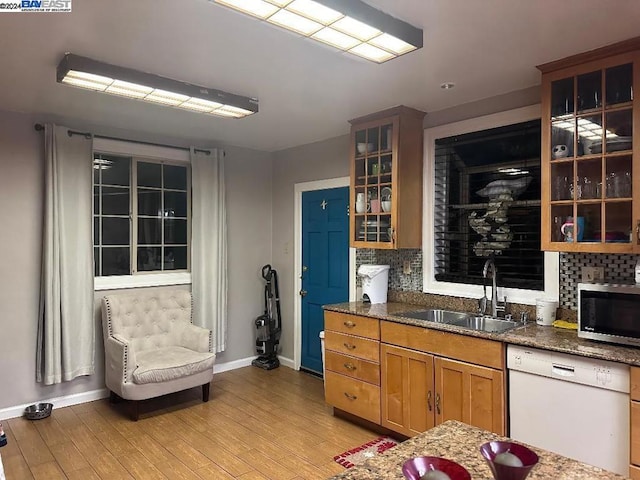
(590, 199)
(386, 179)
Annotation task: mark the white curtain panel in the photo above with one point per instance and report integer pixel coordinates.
(209, 244)
(66, 322)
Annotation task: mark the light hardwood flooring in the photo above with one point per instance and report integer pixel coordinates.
(257, 425)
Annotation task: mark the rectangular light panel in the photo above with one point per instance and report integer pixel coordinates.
(351, 26)
(90, 74)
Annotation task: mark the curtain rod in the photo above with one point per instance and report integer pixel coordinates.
(39, 128)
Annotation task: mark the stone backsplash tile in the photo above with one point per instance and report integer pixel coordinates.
(618, 268)
(398, 280)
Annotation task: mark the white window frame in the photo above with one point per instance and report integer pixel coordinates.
(154, 153)
(430, 285)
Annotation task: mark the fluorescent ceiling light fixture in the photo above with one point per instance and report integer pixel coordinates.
(257, 8)
(336, 39)
(295, 22)
(125, 82)
(352, 26)
(357, 29)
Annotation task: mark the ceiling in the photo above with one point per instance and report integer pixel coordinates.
(307, 91)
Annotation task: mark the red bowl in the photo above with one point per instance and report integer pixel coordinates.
(415, 468)
(528, 457)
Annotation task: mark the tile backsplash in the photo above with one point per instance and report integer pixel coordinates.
(395, 259)
(618, 268)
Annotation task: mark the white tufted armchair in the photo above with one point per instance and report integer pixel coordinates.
(152, 348)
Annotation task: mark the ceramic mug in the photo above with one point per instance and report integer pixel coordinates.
(361, 204)
(386, 205)
(571, 229)
(375, 205)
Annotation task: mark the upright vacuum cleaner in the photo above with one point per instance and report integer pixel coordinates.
(269, 328)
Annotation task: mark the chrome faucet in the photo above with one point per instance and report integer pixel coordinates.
(496, 306)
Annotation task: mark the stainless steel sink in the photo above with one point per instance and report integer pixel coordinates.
(486, 324)
(464, 320)
(434, 315)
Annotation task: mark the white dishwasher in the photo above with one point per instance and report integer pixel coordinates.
(575, 406)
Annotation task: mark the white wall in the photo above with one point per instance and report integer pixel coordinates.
(248, 178)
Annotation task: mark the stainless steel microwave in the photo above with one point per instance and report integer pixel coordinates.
(609, 313)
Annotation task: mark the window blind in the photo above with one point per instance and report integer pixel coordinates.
(487, 204)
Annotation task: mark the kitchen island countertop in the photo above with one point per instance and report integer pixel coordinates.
(531, 334)
(461, 442)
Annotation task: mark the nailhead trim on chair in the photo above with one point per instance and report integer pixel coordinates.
(110, 331)
(109, 328)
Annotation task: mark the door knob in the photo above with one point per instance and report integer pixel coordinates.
(303, 293)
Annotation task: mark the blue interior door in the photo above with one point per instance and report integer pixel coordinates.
(325, 264)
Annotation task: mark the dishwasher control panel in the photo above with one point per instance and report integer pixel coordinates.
(570, 368)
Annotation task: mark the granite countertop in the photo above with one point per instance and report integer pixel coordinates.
(531, 335)
(461, 442)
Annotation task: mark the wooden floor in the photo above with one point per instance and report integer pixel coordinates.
(257, 425)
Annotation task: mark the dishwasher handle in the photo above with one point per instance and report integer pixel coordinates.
(563, 370)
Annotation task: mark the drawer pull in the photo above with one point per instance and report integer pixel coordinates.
(429, 400)
(349, 324)
(349, 396)
(349, 346)
(350, 366)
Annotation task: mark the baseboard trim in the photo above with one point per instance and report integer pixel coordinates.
(286, 362)
(77, 398)
(58, 402)
(232, 365)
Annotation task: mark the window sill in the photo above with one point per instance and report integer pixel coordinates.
(142, 280)
(514, 295)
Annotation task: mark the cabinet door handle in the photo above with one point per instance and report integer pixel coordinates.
(349, 396)
(349, 346)
(350, 366)
(349, 324)
(638, 231)
(438, 403)
(429, 400)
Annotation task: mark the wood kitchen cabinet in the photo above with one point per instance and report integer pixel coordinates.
(590, 191)
(408, 393)
(469, 393)
(352, 364)
(421, 388)
(386, 179)
(409, 379)
(634, 467)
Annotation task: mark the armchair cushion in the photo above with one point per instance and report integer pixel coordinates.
(168, 363)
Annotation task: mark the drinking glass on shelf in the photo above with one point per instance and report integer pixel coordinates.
(561, 188)
(588, 188)
(611, 191)
(626, 184)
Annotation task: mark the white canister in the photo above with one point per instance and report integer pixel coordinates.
(545, 311)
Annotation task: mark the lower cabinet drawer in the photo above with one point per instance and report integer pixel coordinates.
(354, 396)
(634, 472)
(353, 346)
(353, 367)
